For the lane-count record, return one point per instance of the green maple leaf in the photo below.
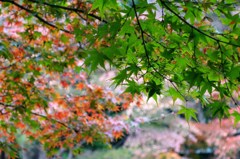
(102, 5)
(236, 116)
(189, 113)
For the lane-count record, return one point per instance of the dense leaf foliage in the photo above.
(173, 48)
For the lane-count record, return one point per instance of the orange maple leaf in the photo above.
(64, 84)
(138, 103)
(117, 134)
(100, 107)
(20, 125)
(125, 105)
(18, 23)
(115, 109)
(18, 53)
(61, 115)
(44, 37)
(89, 139)
(80, 86)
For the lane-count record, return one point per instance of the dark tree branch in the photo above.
(148, 58)
(193, 27)
(172, 83)
(15, 107)
(8, 105)
(204, 3)
(53, 120)
(154, 39)
(142, 32)
(225, 78)
(70, 9)
(7, 67)
(35, 14)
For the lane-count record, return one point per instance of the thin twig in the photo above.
(204, 3)
(6, 105)
(224, 76)
(146, 52)
(141, 30)
(193, 27)
(154, 39)
(71, 9)
(59, 122)
(35, 14)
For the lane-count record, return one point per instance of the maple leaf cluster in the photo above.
(68, 111)
(44, 92)
(45, 46)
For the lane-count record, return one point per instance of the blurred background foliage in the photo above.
(156, 131)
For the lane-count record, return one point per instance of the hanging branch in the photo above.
(141, 30)
(71, 9)
(53, 120)
(193, 27)
(224, 76)
(35, 14)
(147, 55)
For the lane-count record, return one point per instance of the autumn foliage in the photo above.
(48, 49)
(67, 111)
(44, 92)
(70, 112)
